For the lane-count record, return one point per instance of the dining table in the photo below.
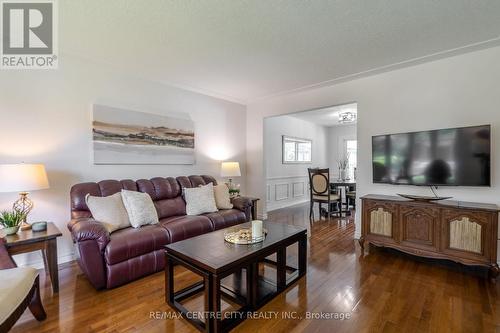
(343, 186)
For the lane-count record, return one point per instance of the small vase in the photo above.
(343, 174)
(11, 231)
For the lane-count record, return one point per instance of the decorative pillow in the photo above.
(109, 210)
(222, 199)
(200, 200)
(140, 208)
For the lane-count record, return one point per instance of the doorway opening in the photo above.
(321, 138)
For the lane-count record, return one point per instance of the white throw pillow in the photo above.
(140, 207)
(109, 210)
(222, 199)
(200, 200)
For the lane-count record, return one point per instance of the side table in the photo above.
(254, 206)
(46, 241)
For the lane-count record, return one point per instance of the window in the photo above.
(351, 149)
(296, 150)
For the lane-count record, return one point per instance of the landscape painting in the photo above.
(129, 137)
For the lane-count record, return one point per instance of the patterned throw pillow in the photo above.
(109, 211)
(222, 198)
(140, 208)
(200, 200)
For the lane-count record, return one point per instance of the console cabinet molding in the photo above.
(462, 232)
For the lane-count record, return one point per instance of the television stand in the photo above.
(464, 232)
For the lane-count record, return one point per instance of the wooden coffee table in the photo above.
(217, 261)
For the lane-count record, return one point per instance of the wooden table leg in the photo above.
(169, 281)
(281, 268)
(209, 320)
(213, 323)
(303, 255)
(252, 285)
(45, 261)
(51, 263)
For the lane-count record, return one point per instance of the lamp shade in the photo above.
(22, 177)
(230, 169)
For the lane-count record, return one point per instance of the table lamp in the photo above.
(230, 170)
(23, 178)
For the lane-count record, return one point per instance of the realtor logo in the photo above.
(29, 34)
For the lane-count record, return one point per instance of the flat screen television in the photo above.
(445, 157)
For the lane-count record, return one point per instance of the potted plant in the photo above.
(11, 221)
(234, 190)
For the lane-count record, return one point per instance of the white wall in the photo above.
(457, 91)
(287, 184)
(336, 150)
(45, 117)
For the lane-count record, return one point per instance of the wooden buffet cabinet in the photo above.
(463, 232)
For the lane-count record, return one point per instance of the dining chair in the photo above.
(336, 201)
(351, 196)
(319, 190)
(19, 289)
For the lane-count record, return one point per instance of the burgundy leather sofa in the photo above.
(110, 260)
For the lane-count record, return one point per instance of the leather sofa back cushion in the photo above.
(165, 192)
(170, 207)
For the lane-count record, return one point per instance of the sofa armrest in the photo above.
(244, 204)
(90, 238)
(84, 229)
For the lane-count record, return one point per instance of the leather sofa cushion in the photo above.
(182, 227)
(170, 207)
(165, 192)
(129, 243)
(102, 189)
(195, 181)
(135, 268)
(226, 218)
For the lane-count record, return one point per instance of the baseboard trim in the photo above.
(286, 205)
(38, 264)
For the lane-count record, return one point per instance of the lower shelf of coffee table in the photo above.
(234, 287)
(234, 290)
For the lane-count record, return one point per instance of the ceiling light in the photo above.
(347, 117)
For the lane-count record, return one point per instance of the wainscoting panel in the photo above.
(281, 191)
(298, 189)
(286, 191)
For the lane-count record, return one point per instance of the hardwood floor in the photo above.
(382, 291)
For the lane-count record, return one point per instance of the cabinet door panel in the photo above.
(465, 233)
(420, 227)
(380, 221)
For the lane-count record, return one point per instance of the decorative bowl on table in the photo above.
(240, 235)
(39, 226)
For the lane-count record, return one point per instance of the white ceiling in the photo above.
(244, 50)
(326, 116)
